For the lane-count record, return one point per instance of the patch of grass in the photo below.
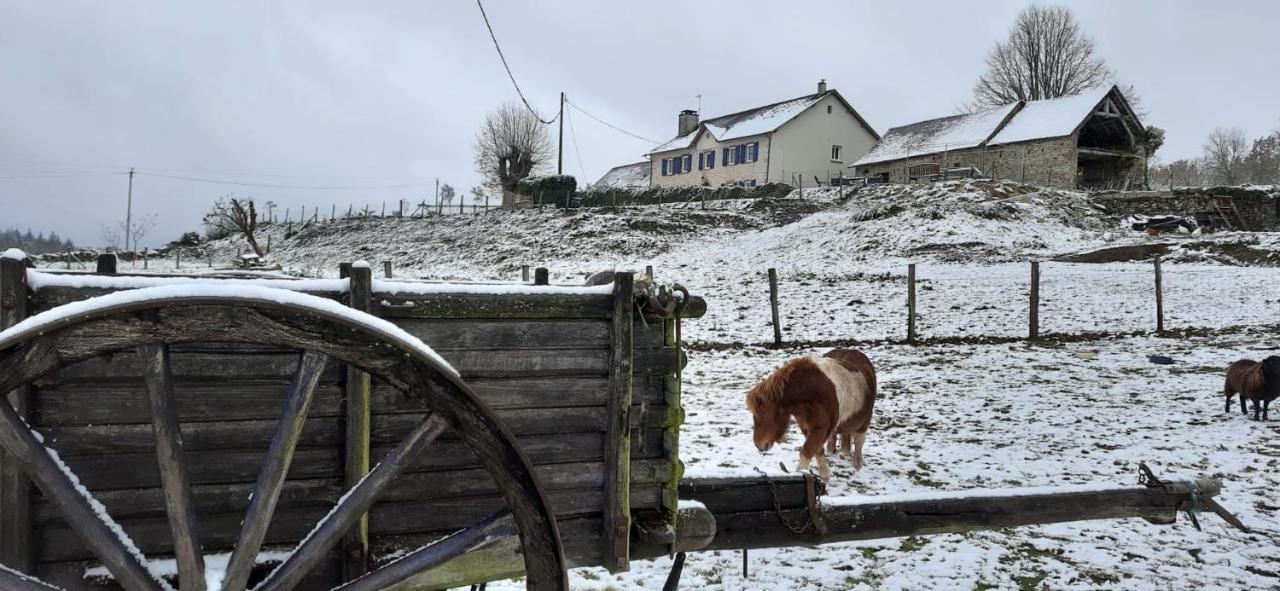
(984, 586)
(1030, 582)
(1099, 578)
(912, 543)
(868, 552)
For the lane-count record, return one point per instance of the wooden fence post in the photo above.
(1033, 331)
(617, 440)
(1159, 297)
(648, 272)
(911, 303)
(177, 258)
(541, 276)
(386, 269)
(16, 534)
(107, 262)
(773, 307)
(524, 272)
(146, 256)
(355, 545)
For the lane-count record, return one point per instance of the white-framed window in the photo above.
(677, 165)
(837, 153)
(706, 160)
(741, 154)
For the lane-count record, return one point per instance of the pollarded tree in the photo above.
(510, 145)
(1046, 56)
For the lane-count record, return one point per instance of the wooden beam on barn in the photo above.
(617, 441)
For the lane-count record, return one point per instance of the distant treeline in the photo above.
(33, 243)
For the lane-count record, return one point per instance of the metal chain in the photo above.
(777, 507)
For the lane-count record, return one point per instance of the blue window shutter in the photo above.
(688, 162)
(701, 161)
(755, 151)
(665, 163)
(675, 166)
(725, 157)
(711, 159)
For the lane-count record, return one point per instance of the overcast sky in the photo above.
(338, 95)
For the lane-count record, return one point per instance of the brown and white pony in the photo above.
(828, 396)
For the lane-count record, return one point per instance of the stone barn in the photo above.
(1086, 141)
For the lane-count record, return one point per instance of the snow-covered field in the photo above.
(951, 416)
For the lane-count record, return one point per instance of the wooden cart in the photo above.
(278, 434)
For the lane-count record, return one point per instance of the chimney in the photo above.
(687, 122)
(822, 86)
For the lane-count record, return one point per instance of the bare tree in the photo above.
(1046, 56)
(510, 145)
(112, 236)
(233, 215)
(478, 195)
(1224, 156)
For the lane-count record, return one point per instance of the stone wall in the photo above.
(1258, 210)
(1047, 163)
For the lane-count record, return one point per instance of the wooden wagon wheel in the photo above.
(149, 320)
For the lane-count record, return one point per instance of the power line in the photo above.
(508, 68)
(61, 175)
(610, 125)
(281, 186)
(574, 134)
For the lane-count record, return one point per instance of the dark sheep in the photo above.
(1259, 382)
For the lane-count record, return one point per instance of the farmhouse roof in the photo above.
(756, 121)
(627, 175)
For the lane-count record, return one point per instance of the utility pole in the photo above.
(560, 155)
(128, 213)
(438, 209)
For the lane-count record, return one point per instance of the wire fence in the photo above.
(970, 302)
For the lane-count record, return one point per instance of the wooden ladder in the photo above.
(1227, 209)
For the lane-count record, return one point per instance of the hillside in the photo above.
(955, 221)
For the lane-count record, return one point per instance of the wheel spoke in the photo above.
(83, 513)
(12, 580)
(355, 503)
(492, 529)
(173, 468)
(274, 468)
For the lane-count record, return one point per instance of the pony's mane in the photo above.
(769, 391)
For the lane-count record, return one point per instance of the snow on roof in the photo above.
(229, 290)
(746, 123)
(760, 119)
(626, 176)
(14, 253)
(679, 142)
(957, 132)
(1050, 118)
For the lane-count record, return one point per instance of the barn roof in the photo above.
(957, 132)
(1050, 118)
(627, 175)
(1016, 122)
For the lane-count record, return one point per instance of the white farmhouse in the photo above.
(801, 140)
